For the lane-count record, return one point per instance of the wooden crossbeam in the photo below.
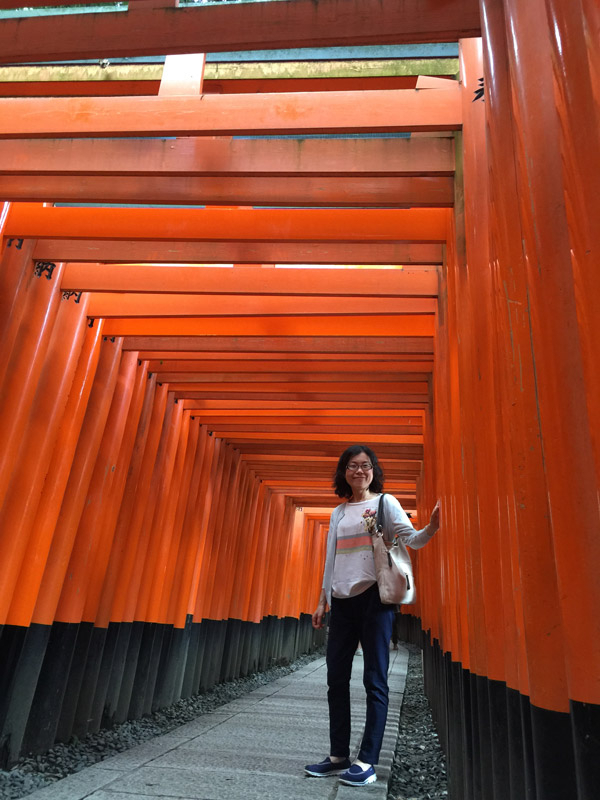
(200, 365)
(146, 250)
(144, 30)
(109, 305)
(242, 281)
(380, 192)
(405, 361)
(426, 225)
(421, 345)
(232, 115)
(371, 326)
(200, 157)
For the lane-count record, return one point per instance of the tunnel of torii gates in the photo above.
(209, 289)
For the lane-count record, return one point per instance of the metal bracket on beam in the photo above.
(71, 293)
(44, 266)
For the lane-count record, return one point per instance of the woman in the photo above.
(357, 613)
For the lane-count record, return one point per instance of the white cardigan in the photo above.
(397, 523)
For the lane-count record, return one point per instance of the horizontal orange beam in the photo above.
(108, 305)
(390, 408)
(229, 224)
(317, 415)
(284, 344)
(377, 111)
(226, 85)
(200, 157)
(351, 429)
(400, 369)
(324, 437)
(314, 448)
(239, 252)
(325, 460)
(248, 281)
(403, 362)
(339, 383)
(318, 484)
(225, 392)
(244, 26)
(379, 383)
(380, 192)
(370, 326)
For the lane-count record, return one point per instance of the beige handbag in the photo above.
(392, 566)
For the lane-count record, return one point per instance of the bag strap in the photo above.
(380, 524)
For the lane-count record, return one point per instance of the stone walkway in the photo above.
(254, 747)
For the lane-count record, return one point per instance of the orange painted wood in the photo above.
(288, 325)
(420, 346)
(18, 539)
(519, 468)
(111, 304)
(186, 559)
(226, 27)
(211, 523)
(25, 366)
(16, 279)
(229, 224)
(484, 534)
(201, 157)
(71, 503)
(179, 550)
(240, 281)
(570, 464)
(143, 86)
(32, 570)
(226, 533)
(124, 540)
(256, 548)
(377, 253)
(201, 365)
(407, 382)
(168, 535)
(162, 483)
(405, 361)
(85, 559)
(580, 145)
(105, 569)
(374, 111)
(127, 587)
(343, 192)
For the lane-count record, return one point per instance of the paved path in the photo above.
(254, 747)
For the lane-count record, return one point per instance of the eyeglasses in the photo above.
(365, 467)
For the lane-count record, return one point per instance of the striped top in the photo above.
(354, 568)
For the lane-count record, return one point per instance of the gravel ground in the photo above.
(418, 772)
(419, 768)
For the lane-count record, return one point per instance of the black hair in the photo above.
(341, 485)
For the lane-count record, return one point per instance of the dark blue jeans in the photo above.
(366, 619)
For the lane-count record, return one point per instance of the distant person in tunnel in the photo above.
(357, 613)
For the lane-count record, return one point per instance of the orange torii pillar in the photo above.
(121, 519)
(511, 608)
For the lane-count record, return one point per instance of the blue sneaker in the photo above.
(355, 776)
(327, 767)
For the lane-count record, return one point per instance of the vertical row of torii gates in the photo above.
(217, 272)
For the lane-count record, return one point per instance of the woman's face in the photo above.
(359, 472)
